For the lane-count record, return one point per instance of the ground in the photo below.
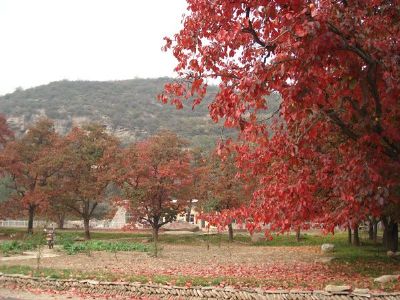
(198, 260)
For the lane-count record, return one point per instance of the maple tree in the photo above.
(224, 191)
(28, 163)
(87, 155)
(334, 158)
(152, 174)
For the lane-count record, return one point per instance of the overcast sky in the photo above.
(49, 40)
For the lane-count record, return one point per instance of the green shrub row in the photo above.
(76, 247)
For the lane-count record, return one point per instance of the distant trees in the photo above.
(5, 132)
(156, 178)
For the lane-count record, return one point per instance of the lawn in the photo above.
(200, 259)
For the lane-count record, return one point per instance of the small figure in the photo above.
(50, 234)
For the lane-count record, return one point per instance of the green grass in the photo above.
(133, 241)
(19, 246)
(109, 246)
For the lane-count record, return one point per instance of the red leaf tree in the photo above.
(224, 191)
(87, 155)
(153, 174)
(28, 162)
(334, 158)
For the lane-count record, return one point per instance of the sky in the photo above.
(50, 40)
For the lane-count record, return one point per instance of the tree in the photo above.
(225, 191)
(151, 174)
(6, 133)
(87, 156)
(336, 66)
(29, 164)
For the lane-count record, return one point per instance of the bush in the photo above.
(15, 247)
(73, 247)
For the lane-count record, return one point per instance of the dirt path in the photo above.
(45, 253)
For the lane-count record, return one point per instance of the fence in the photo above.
(67, 224)
(23, 223)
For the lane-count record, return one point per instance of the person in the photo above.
(50, 234)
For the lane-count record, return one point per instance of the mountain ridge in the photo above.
(128, 108)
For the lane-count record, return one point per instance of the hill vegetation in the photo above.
(128, 108)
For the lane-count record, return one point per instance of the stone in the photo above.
(256, 238)
(390, 253)
(387, 278)
(181, 226)
(327, 248)
(337, 288)
(325, 260)
(361, 292)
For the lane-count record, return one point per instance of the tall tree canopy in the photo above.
(335, 157)
(87, 155)
(153, 174)
(29, 163)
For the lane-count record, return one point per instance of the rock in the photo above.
(387, 278)
(392, 254)
(337, 288)
(361, 292)
(256, 238)
(181, 226)
(326, 248)
(325, 260)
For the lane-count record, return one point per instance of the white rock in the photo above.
(390, 254)
(325, 260)
(387, 278)
(393, 254)
(337, 288)
(326, 248)
(358, 291)
(256, 238)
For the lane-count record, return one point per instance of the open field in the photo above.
(198, 259)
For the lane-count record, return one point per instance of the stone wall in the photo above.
(127, 289)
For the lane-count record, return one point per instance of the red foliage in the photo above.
(5, 132)
(28, 162)
(334, 157)
(153, 174)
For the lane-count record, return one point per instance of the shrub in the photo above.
(73, 247)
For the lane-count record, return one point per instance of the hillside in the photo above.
(129, 109)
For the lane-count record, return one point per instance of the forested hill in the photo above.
(129, 109)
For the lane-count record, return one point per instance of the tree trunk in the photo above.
(189, 210)
(375, 232)
(155, 234)
(30, 220)
(155, 240)
(371, 230)
(391, 236)
(298, 234)
(61, 220)
(230, 232)
(87, 228)
(356, 238)
(349, 239)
